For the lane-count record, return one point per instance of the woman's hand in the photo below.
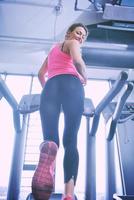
(42, 72)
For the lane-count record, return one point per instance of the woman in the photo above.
(64, 88)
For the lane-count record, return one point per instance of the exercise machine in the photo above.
(30, 103)
(117, 114)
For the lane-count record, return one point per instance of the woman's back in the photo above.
(60, 62)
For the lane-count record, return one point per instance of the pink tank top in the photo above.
(61, 63)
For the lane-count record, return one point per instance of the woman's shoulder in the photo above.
(72, 44)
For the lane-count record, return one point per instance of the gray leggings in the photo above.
(66, 92)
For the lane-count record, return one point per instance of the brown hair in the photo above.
(75, 25)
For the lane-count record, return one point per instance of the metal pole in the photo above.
(90, 190)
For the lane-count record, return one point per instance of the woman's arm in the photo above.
(42, 72)
(74, 49)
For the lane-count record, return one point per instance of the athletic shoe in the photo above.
(67, 198)
(43, 179)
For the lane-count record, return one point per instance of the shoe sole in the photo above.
(43, 179)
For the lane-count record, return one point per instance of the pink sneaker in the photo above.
(67, 198)
(43, 179)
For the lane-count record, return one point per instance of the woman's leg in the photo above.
(50, 107)
(43, 179)
(73, 104)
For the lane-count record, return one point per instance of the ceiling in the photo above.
(28, 28)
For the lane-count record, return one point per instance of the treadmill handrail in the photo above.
(117, 113)
(13, 103)
(118, 85)
(122, 100)
(7, 94)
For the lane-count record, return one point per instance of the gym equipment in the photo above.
(20, 137)
(117, 113)
(29, 103)
(90, 192)
(118, 85)
(120, 112)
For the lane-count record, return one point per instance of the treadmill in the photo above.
(119, 117)
(30, 103)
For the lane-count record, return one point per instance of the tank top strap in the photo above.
(62, 46)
